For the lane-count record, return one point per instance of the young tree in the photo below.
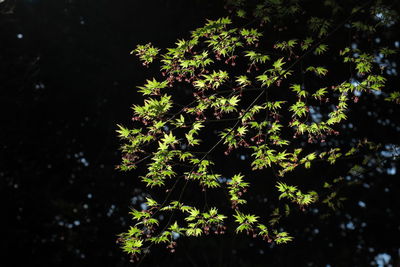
(251, 106)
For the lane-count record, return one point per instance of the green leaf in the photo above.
(322, 48)
(278, 64)
(123, 132)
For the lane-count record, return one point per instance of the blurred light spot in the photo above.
(223, 180)
(144, 206)
(84, 162)
(175, 235)
(315, 114)
(361, 204)
(392, 170)
(350, 226)
(111, 210)
(382, 259)
(386, 190)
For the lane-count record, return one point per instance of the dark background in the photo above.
(66, 80)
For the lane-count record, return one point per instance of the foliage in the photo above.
(281, 105)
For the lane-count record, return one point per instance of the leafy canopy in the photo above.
(276, 93)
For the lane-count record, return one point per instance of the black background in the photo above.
(64, 86)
